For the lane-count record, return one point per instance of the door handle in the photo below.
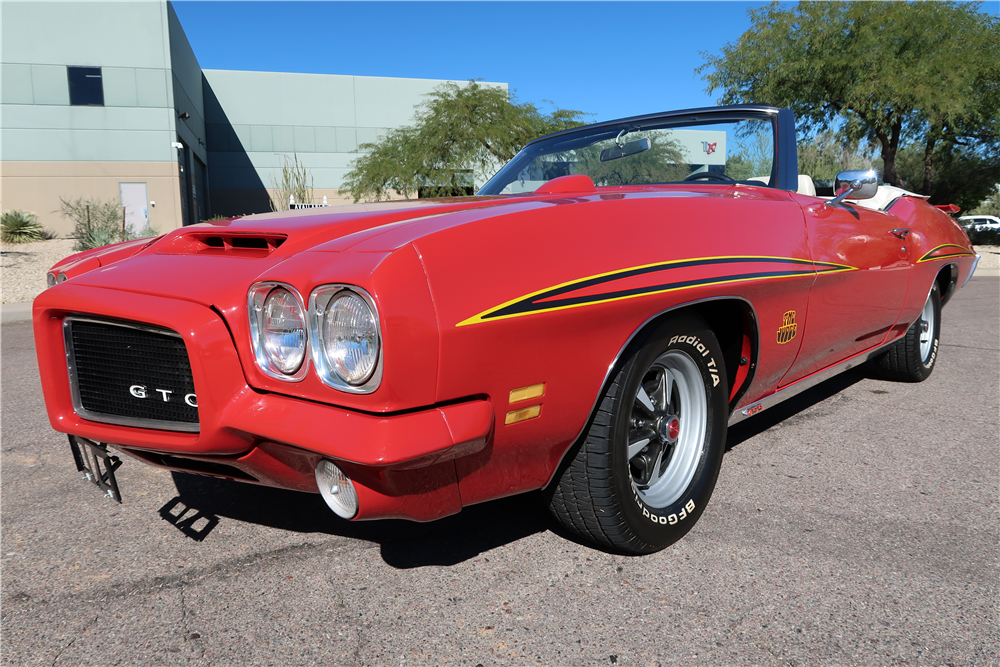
(900, 233)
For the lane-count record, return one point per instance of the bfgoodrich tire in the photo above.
(912, 358)
(648, 462)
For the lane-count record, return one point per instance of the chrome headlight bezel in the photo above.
(256, 298)
(319, 299)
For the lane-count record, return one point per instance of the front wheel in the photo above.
(650, 457)
(912, 358)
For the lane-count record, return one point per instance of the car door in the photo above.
(853, 309)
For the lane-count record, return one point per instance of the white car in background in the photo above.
(980, 223)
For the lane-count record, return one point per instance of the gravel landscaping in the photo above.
(23, 266)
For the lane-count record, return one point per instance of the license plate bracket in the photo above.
(96, 464)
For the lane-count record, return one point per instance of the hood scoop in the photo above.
(215, 244)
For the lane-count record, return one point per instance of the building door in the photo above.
(194, 186)
(136, 205)
(199, 190)
(185, 178)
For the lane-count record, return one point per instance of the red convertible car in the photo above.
(588, 324)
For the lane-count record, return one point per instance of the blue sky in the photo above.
(611, 59)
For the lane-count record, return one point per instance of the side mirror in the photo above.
(855, 184)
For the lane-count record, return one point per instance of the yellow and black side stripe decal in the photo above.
(732, 270)
(946, 250)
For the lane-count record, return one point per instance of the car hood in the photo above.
(208, 262)
(214, 262)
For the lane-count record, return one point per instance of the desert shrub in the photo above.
(98, 223)
(21, 227)
(296, 183)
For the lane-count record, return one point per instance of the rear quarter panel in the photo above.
(936, 241)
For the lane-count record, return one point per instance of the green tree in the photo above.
(893, 73)
(989, 206)
(662, 163)
(457, 129)
(827, 153)
(966, 175)
(752, 153)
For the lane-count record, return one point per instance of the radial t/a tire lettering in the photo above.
(912, 358)
(647, 464)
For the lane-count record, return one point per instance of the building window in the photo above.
(85, 86)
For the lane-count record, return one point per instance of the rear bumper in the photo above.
(972, 270)
(402, 464)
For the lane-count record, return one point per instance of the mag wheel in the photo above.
(927, 332)
(647, 465)
(666, 433)
(912, 358)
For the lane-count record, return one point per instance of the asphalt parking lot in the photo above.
(855, 525)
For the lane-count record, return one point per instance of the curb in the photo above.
(15, 312)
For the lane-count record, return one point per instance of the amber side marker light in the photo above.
(524, 393)
(523, 414)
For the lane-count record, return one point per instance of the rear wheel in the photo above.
(648, 462)
(912, 358)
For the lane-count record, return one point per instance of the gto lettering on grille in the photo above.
(140, 391)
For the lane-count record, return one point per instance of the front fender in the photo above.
(396, 282)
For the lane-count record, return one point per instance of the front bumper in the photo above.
(402, 463)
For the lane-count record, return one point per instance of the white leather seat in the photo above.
(886, 195)
(806, 186)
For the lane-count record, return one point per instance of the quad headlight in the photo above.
(278, 330)
(339, 332)
(347, 345)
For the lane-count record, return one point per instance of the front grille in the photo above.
(129, 374)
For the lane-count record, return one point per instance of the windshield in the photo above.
(648, 151)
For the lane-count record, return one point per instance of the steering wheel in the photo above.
(711, 175)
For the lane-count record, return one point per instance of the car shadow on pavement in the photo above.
(202, 501)
(743, 431)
